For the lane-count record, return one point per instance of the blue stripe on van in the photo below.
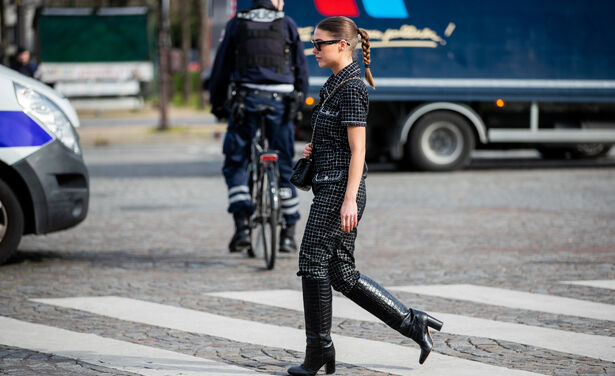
(18, 129)
(386, 8)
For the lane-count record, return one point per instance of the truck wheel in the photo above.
(11, 222)
(580, 151)
(440, 141)
(590, 151)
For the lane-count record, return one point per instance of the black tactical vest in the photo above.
(261, 41)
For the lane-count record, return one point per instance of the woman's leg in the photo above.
(374, 298)
(314, 258)
(317, 308)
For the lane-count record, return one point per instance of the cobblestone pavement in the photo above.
(157, 231)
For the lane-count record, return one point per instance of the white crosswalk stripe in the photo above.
(516, 299)
(110, 353)
(593, 346)
(602, 284)
(379, 356)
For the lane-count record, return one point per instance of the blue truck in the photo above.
(453, 76)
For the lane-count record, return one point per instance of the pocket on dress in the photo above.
(333, 176)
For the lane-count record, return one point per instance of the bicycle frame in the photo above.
(260, 158)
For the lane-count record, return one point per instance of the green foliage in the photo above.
(178, 100)
(178, 82)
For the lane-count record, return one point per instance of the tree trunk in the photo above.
(21, 24)
(163, 60)
(4, 40)
(185, 21)
(204, 46)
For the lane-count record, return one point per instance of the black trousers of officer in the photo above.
(326, 250)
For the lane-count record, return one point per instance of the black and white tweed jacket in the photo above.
(347, 107)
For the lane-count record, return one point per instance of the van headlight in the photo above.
(49, 115)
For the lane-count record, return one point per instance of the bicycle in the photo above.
(263, 181)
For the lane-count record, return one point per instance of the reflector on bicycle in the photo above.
(269, 157)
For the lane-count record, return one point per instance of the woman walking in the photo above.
(338, 151)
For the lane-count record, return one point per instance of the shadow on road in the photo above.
(537, 163)
(155, 170)
(185, 169)
(478, 164)
(125, 259)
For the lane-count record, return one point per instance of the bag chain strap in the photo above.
(325, 101)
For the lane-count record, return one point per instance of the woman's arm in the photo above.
(307, 150)
(349, 212)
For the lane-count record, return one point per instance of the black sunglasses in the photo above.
(318, 43)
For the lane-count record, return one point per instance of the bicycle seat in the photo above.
(264, 110)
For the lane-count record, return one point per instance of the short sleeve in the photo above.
(353, 106)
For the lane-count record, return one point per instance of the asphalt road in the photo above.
(494, 249)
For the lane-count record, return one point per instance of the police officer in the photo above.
(22, 64)
(262, 55)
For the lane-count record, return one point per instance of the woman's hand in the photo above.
(349, 214)
(307, 151)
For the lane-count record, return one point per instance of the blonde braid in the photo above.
(366, 57)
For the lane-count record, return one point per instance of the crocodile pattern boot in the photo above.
(411, 323)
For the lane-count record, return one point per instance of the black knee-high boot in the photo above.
(317, 307)
(411, 323)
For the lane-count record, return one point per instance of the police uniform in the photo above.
(326, 250)
(262, 54)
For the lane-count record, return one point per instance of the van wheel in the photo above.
(11, 222)
(440, 141)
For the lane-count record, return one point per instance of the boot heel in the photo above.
(432, 322)
(330, 367)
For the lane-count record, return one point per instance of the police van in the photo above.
(43, 179)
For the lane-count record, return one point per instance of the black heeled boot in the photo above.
(317, 307)
(411, 323)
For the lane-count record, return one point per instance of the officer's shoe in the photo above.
(287, 239)
(241, 238)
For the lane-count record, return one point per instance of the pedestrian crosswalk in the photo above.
(517, 300)
(365, 353)
(379, 356)
(603, 284)
(600, 347)
(110, 353)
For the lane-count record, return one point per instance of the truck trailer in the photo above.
(454, 76)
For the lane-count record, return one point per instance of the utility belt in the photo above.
(265, 94)
(292, 101)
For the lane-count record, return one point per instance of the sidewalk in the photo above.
(130, 127)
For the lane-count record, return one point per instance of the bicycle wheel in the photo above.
(253, 186)
(267, 236)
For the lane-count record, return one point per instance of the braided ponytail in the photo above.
(366, 57)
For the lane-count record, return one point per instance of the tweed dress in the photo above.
(325, 249)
